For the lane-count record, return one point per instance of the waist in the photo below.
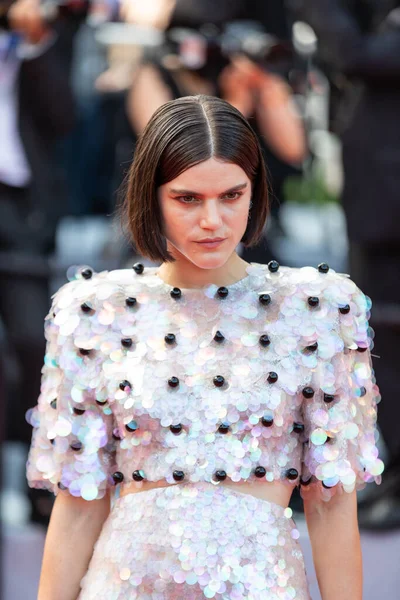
(277, 492)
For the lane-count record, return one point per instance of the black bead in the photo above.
(124, 384)
(272, 377)
(273, 266)
(312, 347)
(53, 403)
(220, 475)
(116, 434)
(138, 268)
(219, 380)
(305, 482)
(363, 391)
(178, 475)
(344, 309)
(223, 428)
(137, 475)
(323, 267)
(102, 402)
(298, 427)
(130, 301)
(292, 473)
(264, 340)
(260, 471)
(175, 293)
(267, 421)
(118, 477)
(78, 411)
(361, 349)
(329, 398)
(86, 308)
(61, 486)
(76, 446)
(84, 351)
(222, 292)
(308, 392)
(176, 429)
(127, 342)
(264, 299)
(53, 441)
(313, 301)
(327, 487)
(173, 382)
(132, 426)
(218, 337)
(170, 339)
(87, 273)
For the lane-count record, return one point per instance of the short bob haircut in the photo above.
(179, 135)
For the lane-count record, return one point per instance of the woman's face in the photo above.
(209, 200)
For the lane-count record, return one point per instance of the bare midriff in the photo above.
(276, 491)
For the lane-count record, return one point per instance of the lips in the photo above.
(211, 241)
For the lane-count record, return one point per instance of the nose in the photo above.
(211, 216)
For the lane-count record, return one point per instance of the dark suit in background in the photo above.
(28, 219)
(361, 46)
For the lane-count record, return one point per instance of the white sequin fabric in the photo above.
(269, 378)
(192, 541)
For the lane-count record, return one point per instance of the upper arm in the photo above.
(342, 503)
(79, 508)
(72, 448)
(340, 453)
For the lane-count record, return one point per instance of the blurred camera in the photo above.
(197, 48)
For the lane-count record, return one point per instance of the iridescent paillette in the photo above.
(266, 379)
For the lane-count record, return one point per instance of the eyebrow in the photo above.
(235, 188)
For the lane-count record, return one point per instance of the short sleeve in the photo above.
(340, 410)
(72, 447)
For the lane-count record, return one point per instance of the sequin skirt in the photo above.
(193, 541)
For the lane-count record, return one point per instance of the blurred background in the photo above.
(319, 80)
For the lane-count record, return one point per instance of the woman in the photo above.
(203, 391)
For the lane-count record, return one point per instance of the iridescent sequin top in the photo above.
(266, 379)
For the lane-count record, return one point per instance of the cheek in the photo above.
(169, 217)
(239, 214)
(176, 224)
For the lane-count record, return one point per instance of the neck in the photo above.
(184, 274)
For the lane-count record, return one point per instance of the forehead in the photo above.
(209, 176)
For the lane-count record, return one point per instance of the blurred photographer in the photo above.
(36, 109)
(249, 85)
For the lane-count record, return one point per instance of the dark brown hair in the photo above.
(179, 135)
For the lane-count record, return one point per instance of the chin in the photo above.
(214, 260)
(209, 265)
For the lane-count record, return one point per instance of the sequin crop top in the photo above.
(268, 378)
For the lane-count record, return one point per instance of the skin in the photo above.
(25, 17)
(208, 200)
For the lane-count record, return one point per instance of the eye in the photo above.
(191, 199)
(233, 195)
(184, 199)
